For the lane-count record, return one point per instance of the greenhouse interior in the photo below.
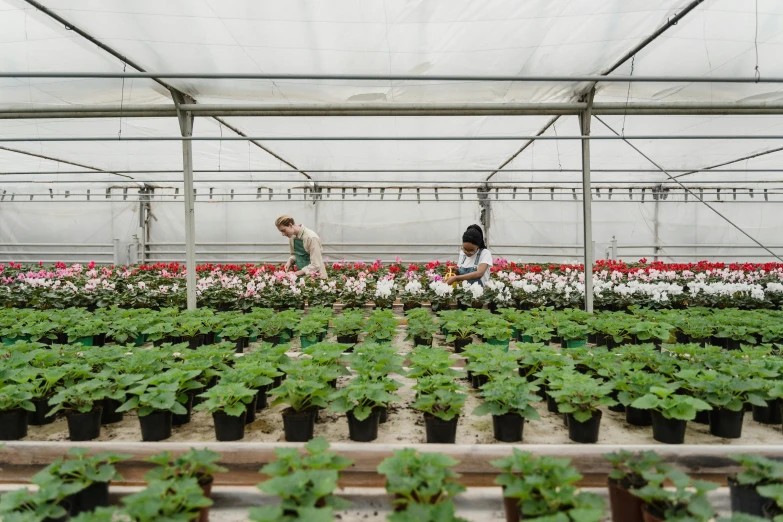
(326, 260)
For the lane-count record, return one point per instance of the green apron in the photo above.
(302, 257)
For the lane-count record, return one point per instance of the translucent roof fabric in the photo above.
(382, 37)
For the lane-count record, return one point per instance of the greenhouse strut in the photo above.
(393, 138)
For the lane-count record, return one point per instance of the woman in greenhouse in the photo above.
(305, 247)
(474, 260)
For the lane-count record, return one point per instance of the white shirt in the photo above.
(469, 262)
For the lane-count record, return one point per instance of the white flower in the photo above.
(441, 289)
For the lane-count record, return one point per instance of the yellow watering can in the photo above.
(450, 273)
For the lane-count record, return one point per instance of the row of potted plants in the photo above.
(642, 488)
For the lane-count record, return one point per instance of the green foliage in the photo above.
(440, 396)
(79, 471)
(545, 486)
(581, 395)
(80, 397)
(634, 470)
(670, 404)
(230, 399)
(510, 395)
(360, 396)
(300, 393)
(686, 500)
(420, 478)
(758, 470)
(173, 500)
(16, 396)
(350, 322)
(426, 361)
(166, 391)
(200, 464)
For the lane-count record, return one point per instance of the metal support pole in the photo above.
(587, 211)
(117, 252)
(614, 248)
(186, 127)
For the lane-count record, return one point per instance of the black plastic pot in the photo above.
(239, 345)
(479, 380)
(383, 414)
(668, 431)
(182, 419)
(422, 341)
(38, 417)
(508, 427)
(348, 339)
(551, 404)
(440, 431)
(274, 340)
(228, 427)
(584, 432)
(99, 340)
(261, 401)
(13, 424)
(298, 426)
(745, 499)
(460, 344)
(194, 341)
(84, 426)
(768, 415)
(702, 417)
(250, 415)
(637, 417)
(726, 423)
(93, 496)
(156, 426)
(110, 415)
(363, 430)
(771, 510)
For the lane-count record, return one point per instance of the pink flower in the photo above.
(91, 265)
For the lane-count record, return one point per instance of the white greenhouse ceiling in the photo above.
(726, 38)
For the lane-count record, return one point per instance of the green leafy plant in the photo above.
(230, 398)
(671, 404)
(495, 328)
(79, 470)
(200, 464)
(414, 477)
(381, 325)
(511, 395)
(80, 397)
(635, 384)
(23, 505)
(581, 396)
(301, 393)
(350, 322)
(685, 501)
(426, 361)
(16, 396)
(360, 396)
(757, 470)
(163, 392)
(413, 512)
(729, 392)
(440, 396)
(544, 486)
(635, 470)
(176, 499)
(310, 328)
(304, 483)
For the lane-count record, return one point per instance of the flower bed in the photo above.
(241, 287)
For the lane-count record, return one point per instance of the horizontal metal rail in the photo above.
(395, 77)
(411, 245)
(386, 109)
(282, 199)
(77, 245)
(48, 139)
(377, 171)
(338, 184)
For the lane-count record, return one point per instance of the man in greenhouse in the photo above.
(305, 246)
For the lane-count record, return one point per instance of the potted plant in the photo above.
(727, 395)
(574, 334)
(304, 483)
(773, 510)
(441, 400)
(496, 330)
(310, 330)
(82, 403)
(200, 464)
(15, 402)
(158, 398)
(544, 487)
(757, 471)
(172, 499)
(580, 397)
(228, 405)
(117, 386)
(421, 330)
(630, 471)
(486, 361)
(460, 327)
(303, 396)
(380, 327)
(43, 382)
(256, 378)
(237, 331)
(258, 370)
(272, 328)
(328, 355)
(414, 477)
(361, 400)
(509, 402)
(426, 361)
(670, 412)
(347, 326)
(631, 386)
(46, 504)
(440, 512)
(686, 500)
(83, 479)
